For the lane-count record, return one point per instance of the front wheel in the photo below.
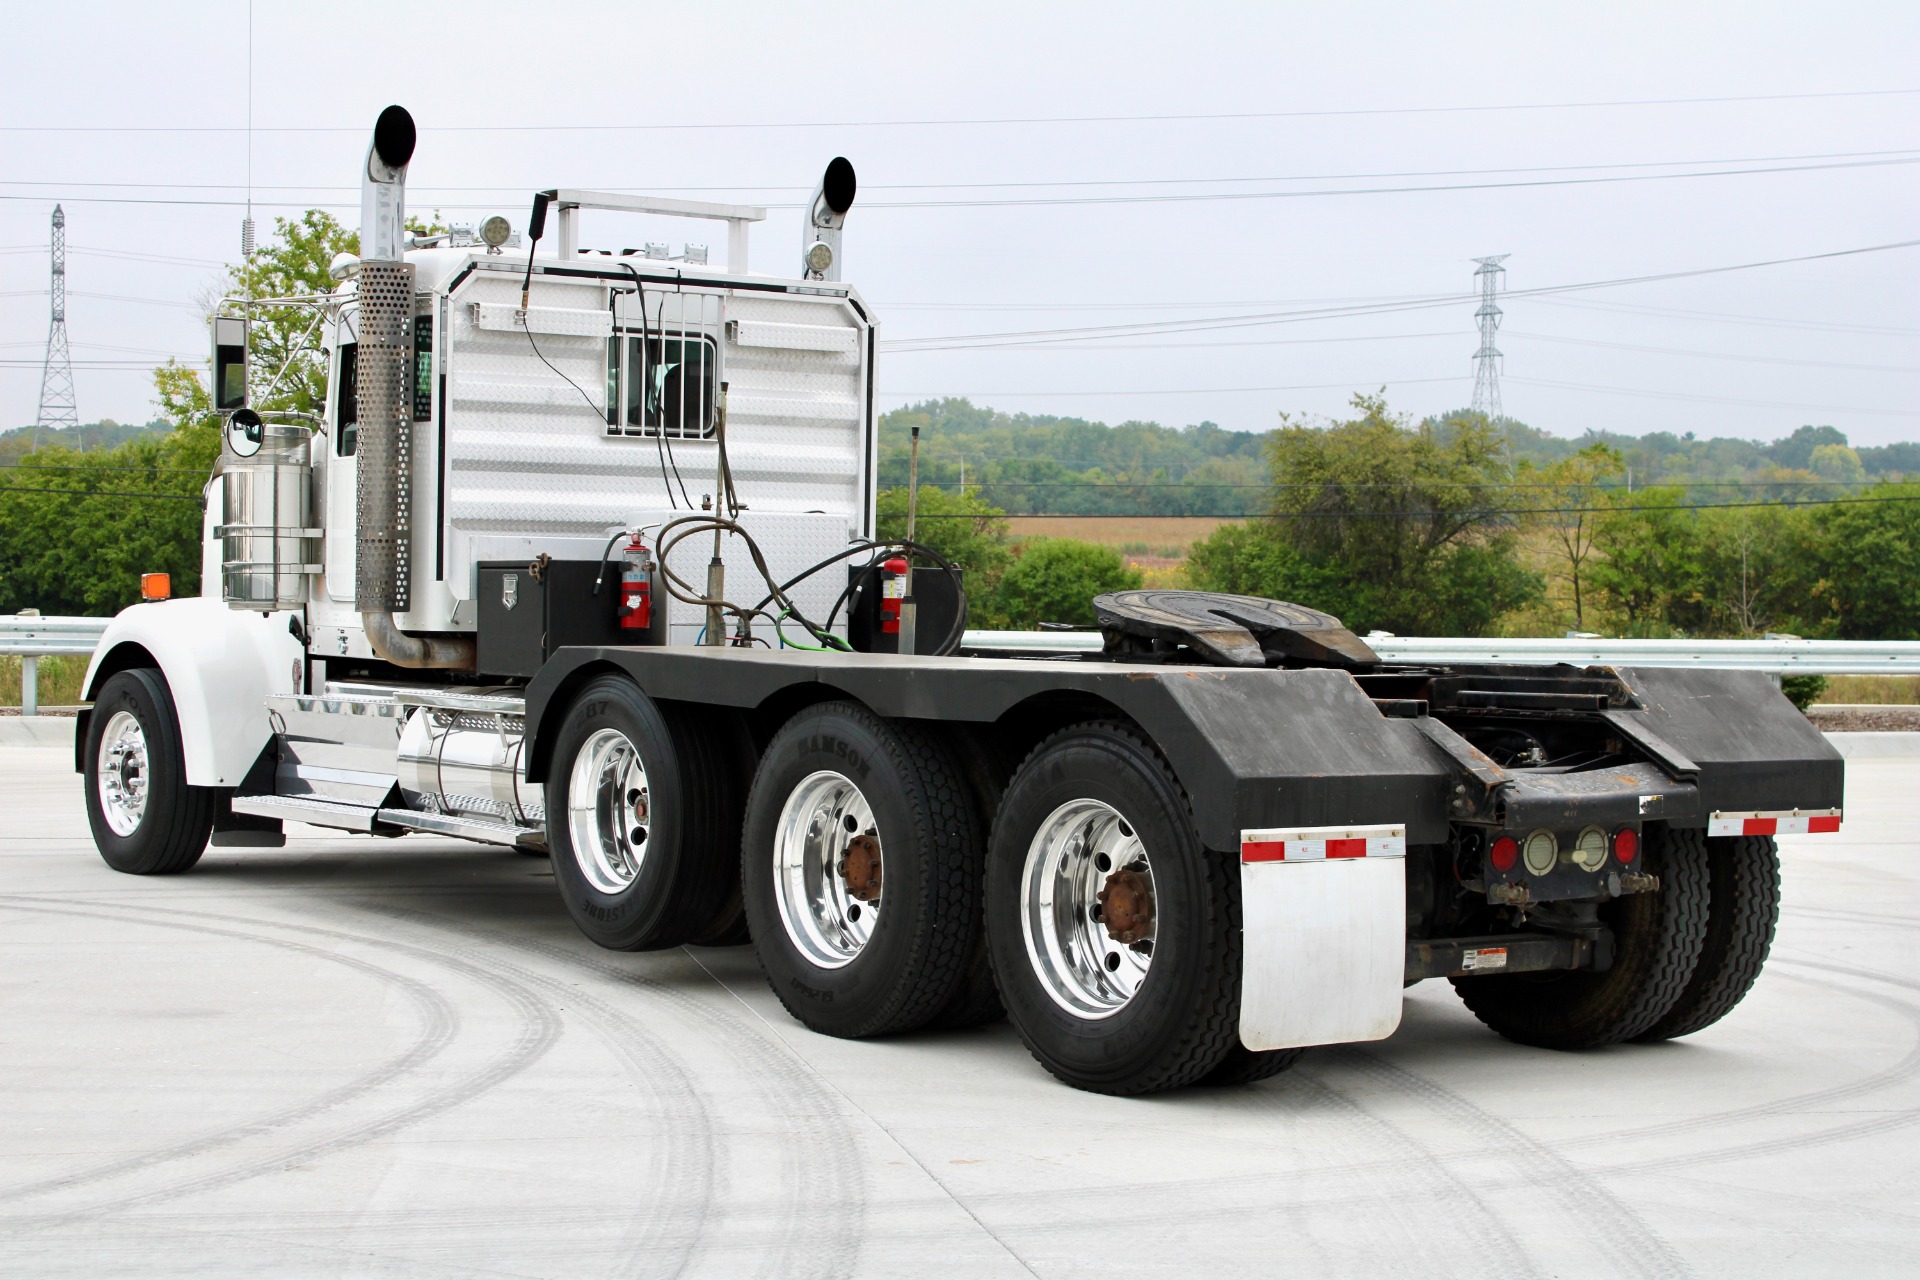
(1112, 928)
(146, 820)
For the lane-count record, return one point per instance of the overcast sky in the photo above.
(1032, 168)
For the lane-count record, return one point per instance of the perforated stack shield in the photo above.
(383, 572)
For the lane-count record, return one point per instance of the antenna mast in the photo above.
(246, 223)
(57, 407)
(1486, 361)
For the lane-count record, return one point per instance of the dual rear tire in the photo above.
(1684, 955)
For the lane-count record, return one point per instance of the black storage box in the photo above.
(936, 592)
(527, 611)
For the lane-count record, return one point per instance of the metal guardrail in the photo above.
(31, 638)
(1775, 657)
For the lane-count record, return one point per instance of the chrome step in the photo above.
(318, 813)
(466, 828)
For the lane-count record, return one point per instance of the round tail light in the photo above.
(1626, 844)
(1503, 854)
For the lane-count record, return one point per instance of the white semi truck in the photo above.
(581, 559)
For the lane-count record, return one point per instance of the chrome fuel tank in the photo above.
(463, 756)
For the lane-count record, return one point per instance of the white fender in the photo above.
(221, 664)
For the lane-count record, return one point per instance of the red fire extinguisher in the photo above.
(893, 589)
(635, 603)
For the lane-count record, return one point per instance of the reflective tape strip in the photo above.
(1321, 844)
(1779, 823)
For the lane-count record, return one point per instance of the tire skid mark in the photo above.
(538, 1028)
(1868, 1126)
(823, 1179)
(1859, 917)
(1615, 1229)
(1886, 1078)
(1492, 1241)
(670, 1214)
(439, 1024)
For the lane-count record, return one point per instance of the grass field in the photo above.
(1879, 691)
(59, 680)
(1166, 539)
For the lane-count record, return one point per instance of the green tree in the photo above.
(1837, 462)
(1383, 524)
(78, 529)
(1570, 498)
(1056, 579)
(1650, 559)
(1751, 578)
(1866, 564)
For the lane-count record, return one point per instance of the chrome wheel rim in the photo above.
(123, 771)
(608, 811)
(820, 823)
(1083, 851)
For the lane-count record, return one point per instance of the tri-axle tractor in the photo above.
(580, 559)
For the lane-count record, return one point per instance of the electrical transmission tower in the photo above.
(1486, 361)
(57, 408)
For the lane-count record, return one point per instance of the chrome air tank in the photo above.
(268, 545)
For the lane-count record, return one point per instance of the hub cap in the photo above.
(608, 811)
(1087, 909)
(827, 869)
(123, 773)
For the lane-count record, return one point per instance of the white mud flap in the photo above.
(1324, 911)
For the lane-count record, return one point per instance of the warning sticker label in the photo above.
(1474, 958)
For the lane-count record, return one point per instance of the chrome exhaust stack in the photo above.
(383, 568)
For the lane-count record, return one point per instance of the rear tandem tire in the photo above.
(1179, 1020)
(1657, 942)
(835, 780)
(146, 819)
(1743, 874)
(676, 802)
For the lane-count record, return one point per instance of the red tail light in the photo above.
(1503, 854)
(1626, 844)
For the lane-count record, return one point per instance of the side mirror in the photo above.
(245, 432)
(229, 362)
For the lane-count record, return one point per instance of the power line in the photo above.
(1700, 399)
(1714, 355)
(1491, 512)
(1594, 304)
(1052, 184)
(1036, 201)
(1203, 324)
(1324, 113)
(1189, 391)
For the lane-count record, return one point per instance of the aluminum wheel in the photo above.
(827, 867)
(123, 773)
(608, 811)
(1087, 909)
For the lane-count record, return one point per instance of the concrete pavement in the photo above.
(397, 1058)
